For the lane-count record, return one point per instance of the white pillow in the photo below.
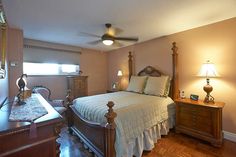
(137, 84)
(157, 86)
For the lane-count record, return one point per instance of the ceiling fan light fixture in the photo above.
(108, 42)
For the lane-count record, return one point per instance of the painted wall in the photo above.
(215, 42)
(15, 54)
(94, 65)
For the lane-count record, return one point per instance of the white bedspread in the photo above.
(135, 112)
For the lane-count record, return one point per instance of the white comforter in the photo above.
(135, 112)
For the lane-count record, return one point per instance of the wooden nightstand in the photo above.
(201, 120)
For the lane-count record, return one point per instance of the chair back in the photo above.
(44, 91)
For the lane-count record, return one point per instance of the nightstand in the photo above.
(200, 120)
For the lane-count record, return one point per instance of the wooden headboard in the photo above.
(151, 71)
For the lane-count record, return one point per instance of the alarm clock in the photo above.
(194, 97)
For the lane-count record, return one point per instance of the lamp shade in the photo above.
(107, 42)
(208, 70)
(119, 73)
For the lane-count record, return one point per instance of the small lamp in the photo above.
(21, 83)
(119, 74)
(208, 70)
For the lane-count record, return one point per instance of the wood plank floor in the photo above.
(173, 145)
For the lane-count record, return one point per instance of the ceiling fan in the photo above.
(109, 38)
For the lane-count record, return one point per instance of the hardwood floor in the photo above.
(173, 145)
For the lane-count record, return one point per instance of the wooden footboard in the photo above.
(100, 138)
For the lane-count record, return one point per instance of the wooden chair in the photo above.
(58, 105)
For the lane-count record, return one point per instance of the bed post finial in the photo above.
(110, 131)
(130, 61)
(68, 98)
(175, 80)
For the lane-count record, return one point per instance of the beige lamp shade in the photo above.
(119, 73)
(208, 70)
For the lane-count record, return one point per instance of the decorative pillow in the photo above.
(157, 86)
(168, 84)
(137, 84)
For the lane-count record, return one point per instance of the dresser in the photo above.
(199, 119)
(15, 140)
(78, 85)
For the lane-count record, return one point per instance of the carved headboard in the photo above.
(150, 71)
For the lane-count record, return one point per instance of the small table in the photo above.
(199, 119)
(14, 136)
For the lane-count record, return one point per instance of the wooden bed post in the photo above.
(130, 62)
(110, 131)
(175, 80)
(69, 113)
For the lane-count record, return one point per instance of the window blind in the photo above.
(50, 54)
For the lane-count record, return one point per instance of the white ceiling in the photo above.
(64, 21)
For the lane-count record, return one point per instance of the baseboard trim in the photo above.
(229, 136)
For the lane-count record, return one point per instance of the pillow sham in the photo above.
(137, 84)
(158, 86)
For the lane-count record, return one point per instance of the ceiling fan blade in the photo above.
(95, 42)
(89, 35)
(126, 38)
(117, 44)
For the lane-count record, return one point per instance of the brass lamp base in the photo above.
(208, 89)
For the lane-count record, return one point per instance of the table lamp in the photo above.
(208, 70)
(119, 74)
(21, 83)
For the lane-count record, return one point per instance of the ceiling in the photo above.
(66, 21)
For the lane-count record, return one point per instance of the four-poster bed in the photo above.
(100, 137)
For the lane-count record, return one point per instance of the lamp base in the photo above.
(208, 89)
(20, 99)
(209, 99)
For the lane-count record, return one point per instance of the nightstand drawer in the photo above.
(195, 110)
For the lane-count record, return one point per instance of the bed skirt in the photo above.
(148, 138)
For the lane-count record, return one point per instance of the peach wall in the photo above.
(15, 54)
(94, 65)
(215, 42)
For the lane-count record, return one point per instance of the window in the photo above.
(50, 69)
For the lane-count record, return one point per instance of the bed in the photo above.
(131, 122)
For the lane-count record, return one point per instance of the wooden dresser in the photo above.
(201, 120)
(78, 86)
(16, 142)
